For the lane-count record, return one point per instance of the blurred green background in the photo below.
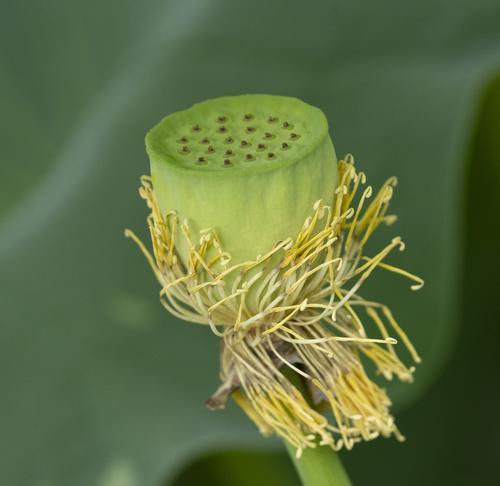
(99, 385)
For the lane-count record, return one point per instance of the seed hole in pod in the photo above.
(271, 156)
(227, 163)
(182, 140)
(294, 136)
(196, 128)
(201, 160)
(222, 129)
(244, 143)
(285, 146)
(261, 147)
(221, 119)
(250, 129)
(205, 140)
(248, 117)
(185, 150)
(268, 136)
(272, 119)
(286, 125)
(228, 153)
(249, 157)
(210, 149)
(229, 140)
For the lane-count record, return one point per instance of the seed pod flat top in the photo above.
(232, 135)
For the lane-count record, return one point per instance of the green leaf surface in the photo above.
(100, 386)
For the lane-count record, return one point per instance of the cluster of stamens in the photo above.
(304, 315)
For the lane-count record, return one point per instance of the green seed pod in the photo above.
(250, 167)
(243, 175)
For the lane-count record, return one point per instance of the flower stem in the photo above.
(320, 466)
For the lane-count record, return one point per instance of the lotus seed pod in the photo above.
(243, 176)
(250, 167)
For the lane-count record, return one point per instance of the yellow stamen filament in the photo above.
(294, 308)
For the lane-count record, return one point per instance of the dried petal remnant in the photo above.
(304, 313)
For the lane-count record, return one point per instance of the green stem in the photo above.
(320, 466)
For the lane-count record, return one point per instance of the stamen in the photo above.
(292, 306)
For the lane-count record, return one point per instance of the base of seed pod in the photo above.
(306, 314)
